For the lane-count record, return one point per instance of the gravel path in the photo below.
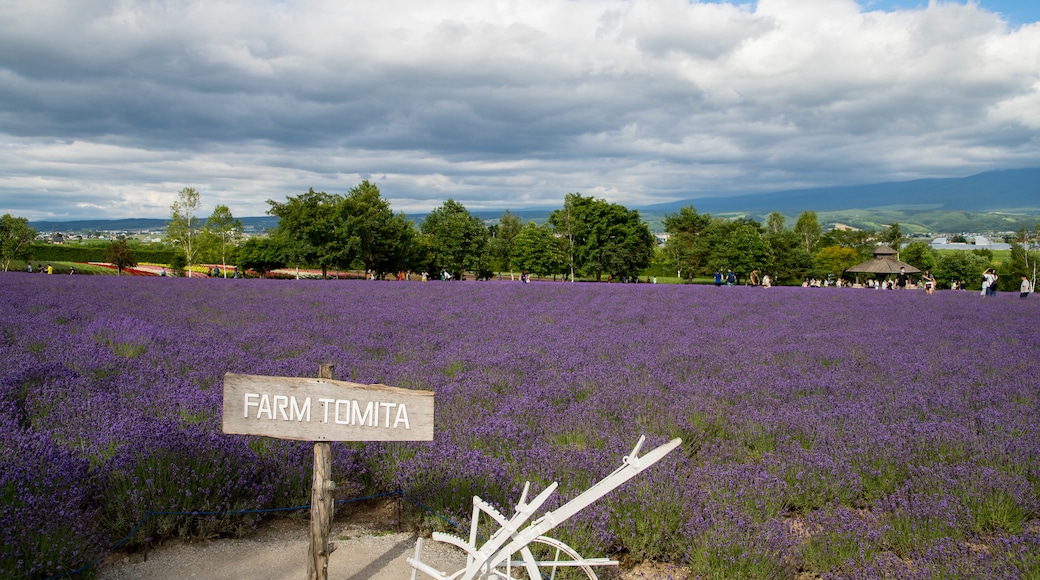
(280, 552)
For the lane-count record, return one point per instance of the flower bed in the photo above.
(839, 433)
(142, 271)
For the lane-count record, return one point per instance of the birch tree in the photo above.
(182, 229)
(224, 230)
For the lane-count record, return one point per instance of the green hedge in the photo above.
(96, 253)
(658, 269)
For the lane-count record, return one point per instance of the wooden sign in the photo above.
(307, 409)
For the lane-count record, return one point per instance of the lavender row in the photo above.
(842, 433)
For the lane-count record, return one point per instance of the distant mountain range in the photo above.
(251, 224)
(1011, 190)
(991, 201)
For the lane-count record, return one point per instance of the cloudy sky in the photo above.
(108, 108)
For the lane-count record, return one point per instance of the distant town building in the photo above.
(975, 243)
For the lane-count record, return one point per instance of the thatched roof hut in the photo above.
(884, 262)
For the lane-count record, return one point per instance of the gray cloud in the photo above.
(110, 108)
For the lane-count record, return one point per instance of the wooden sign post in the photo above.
(323, 504)
(324, 410)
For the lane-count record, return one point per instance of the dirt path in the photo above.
(279, 551)
(366, 547)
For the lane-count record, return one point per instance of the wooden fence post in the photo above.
(323, 504)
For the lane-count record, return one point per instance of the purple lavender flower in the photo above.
(799, 408)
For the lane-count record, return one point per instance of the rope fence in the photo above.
(149, 514)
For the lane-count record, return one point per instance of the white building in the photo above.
(977, 243)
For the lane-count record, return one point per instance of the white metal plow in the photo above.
(527, 552)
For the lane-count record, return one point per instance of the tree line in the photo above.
(586, 238)
(699, 245)
(358, 230)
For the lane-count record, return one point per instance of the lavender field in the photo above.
(835, 433)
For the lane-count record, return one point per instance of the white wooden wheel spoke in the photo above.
(515, 551)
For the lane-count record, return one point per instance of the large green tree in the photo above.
(791, 263)
(604, 237)
(775, 223)
(502, 239)
(120, 255)
(16, 235)
(457, 240)
(371, 233)
(261, 255)
(182, 229)
(963, 267)
(1011, 271)
(863, 241)
(919, 255)
(568, 223)
(745, 249)
(738, 245)
(809, 230)
(685, 247)
(892, 236)
(307, 228)
(538, 250)
(835, 260)
(223, 232)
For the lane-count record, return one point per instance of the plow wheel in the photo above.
(549, 559)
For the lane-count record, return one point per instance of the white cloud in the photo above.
(113, 107)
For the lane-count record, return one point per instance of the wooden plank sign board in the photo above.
(307, 409)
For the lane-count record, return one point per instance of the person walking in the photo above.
(902, 279)
(1024, 288)
(731, 278)
(929, 282)
(989, 283)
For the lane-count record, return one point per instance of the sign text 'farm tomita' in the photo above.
(307, 409)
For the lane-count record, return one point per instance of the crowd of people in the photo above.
(48, 270)
(902, 280)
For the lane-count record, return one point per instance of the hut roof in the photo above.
(884, 251)
(883, 264)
